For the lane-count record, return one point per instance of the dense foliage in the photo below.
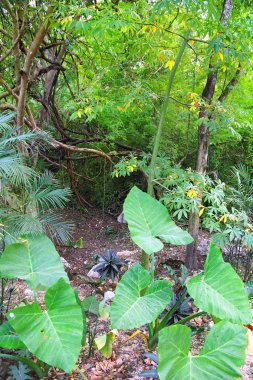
(141, 104)
(100, 76)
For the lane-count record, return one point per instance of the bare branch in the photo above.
(70, 148)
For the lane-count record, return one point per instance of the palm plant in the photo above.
(33, 209)
(241, 196)
(28, 200)
(12, 169)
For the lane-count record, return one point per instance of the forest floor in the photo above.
(101, 232)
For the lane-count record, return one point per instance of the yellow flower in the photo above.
(170, 64)
(191, 193)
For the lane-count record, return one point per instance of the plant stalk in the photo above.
(144, 255)
(189, 317)
(169, 314)
(153, 340)
(152, 268)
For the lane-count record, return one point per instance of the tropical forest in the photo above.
(126, 189)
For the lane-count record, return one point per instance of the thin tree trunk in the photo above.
(50, 81)
(203, 142)
(191, 261)
(27, 67)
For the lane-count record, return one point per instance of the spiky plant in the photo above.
(109, 265)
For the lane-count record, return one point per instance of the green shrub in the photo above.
(140, 300)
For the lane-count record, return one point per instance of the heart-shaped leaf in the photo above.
(221, 357)
(55, 335)
(220, 290)
(35, 260)
(8, 337)
(129, 309)
(149, 223)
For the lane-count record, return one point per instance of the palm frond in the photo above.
(53, 225)
(16, 225)
(34, 194)
(13, 140)
(4, 122)
(12, 169)
(56, 227)
(45, 193)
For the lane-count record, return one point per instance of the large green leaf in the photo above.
(8, 337)
(129, 309)
(35, 260)
(220, 291)
(222, 355)
(149, 223)
(54, 335)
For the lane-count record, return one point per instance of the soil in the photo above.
(101, 232)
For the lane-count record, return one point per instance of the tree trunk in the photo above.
(202, 162)
(203, 140)
(191, 261)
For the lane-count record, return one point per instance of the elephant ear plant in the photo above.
(140, 300)
(54, 334)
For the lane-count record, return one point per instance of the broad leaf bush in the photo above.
(218, 291)
(54, 335)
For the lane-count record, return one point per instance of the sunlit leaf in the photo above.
(54, 335)
(220, 358)
(220, 291)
